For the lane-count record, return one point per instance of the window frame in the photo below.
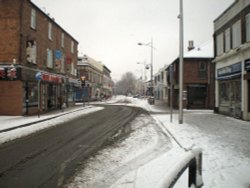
(33, 18)
(247, 22)
(236, 34)
(50, 31)
(219, 44)
(72, 47)
(50, 62)
(228, 39)
(62, 40)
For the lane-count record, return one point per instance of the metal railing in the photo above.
(192, 160)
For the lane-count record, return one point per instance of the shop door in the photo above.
(236, 99)
(196, 96)
(51, 96)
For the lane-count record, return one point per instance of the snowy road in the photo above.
(48, 157)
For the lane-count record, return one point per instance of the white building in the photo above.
(232, 60)
(161, 85)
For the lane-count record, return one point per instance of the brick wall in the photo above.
(9, 30)
(11, 97)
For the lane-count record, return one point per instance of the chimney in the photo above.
(190, 45)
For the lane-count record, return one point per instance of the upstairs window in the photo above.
(219, 44)
(62, 40)
(236, 34)
(33, 19)
(228, 40)
(50, 31)
(202, 70)
(72, 47)
(248, 27)
(49, 58)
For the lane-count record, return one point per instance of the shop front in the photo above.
(229, 90)
(247, 81)
(22, 93)
(197, 96)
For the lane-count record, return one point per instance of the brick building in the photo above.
(37, 60)
(198, 78)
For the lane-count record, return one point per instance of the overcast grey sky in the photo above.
(109, 30)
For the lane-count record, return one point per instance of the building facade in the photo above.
(107, 82)
(37, 60)
(232, 60)
(96, 76)
(198, 78)
(161, 85)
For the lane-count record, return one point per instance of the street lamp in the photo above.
(150, 44)
(181, 64)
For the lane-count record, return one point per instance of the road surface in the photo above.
(47, 158)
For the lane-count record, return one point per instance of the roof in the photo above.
(204, 51)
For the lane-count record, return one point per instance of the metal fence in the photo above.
(191, 160)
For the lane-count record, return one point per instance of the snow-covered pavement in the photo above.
(143, 158)
(140, 161)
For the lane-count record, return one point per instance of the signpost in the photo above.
(38, 78)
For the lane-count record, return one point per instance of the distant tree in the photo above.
(127, 84)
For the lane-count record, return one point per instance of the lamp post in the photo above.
(150, 44)
(181, 64)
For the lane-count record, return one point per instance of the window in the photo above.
(219, 44)
(72, 47)
(236, 34)
(33, 19)
(62, 40)
(224, 90)
(63, 64)
(32, 92)
(202, 70)
(50, 31)
(248, 27)
(49, 58)
(227, 40)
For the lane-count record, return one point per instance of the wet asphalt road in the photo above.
(49, 157)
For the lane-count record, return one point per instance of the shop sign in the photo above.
(232, 69)
(51, 78)
(38, 76)
(8, 73)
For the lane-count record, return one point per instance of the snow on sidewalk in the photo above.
(8, 122)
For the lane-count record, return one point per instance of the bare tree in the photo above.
(127, 84)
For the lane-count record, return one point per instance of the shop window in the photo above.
(248, 96)
(236, 34)
(224, 91)
(32, 94)
(236, 87)
(33, 19)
